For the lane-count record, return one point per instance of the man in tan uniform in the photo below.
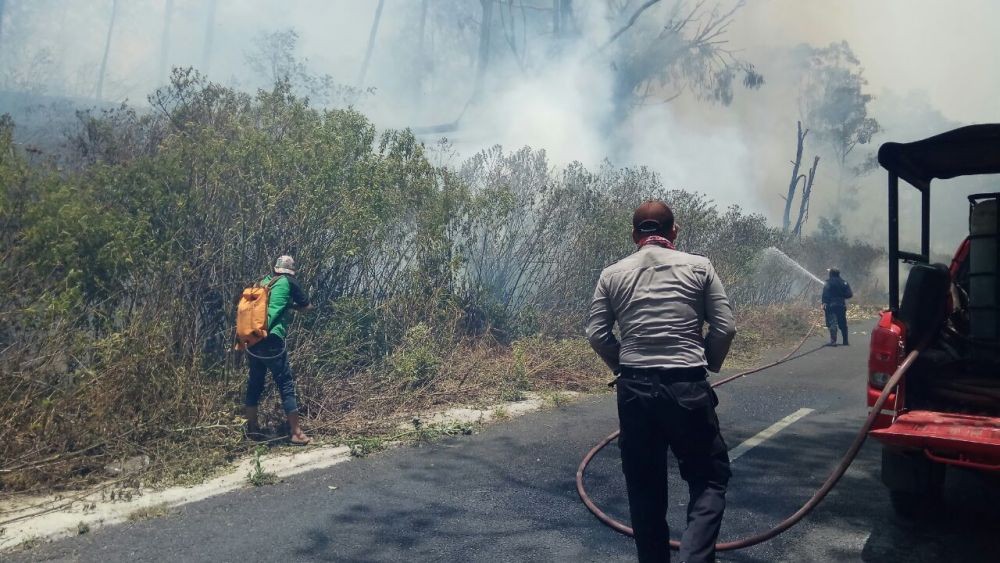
(661, 298)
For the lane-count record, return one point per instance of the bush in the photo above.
(416, 360)
(127, 254)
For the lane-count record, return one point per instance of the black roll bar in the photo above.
(895, 254)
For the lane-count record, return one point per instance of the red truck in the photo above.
(946, 410)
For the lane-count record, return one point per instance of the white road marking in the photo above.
(769, 432)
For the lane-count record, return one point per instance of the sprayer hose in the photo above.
(787, 523)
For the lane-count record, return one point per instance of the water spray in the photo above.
(788, 261)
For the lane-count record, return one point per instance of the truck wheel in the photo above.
(908, 504)
(915, 483)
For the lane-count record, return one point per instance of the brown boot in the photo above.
(295, 434)
(252, 428)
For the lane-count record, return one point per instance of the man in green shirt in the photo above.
(285, 295)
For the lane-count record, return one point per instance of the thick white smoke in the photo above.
(562, 100)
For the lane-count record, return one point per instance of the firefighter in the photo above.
(270, 354)
(659, 298)
(836, 292)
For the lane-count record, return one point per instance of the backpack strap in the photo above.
(272, 281)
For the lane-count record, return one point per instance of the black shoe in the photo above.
(832, 343)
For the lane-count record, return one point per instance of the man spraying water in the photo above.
(836, 292)
(661, 298)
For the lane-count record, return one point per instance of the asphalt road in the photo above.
(507, 493)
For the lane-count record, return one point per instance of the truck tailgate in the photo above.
(956, 439)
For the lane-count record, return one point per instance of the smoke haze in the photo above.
(930, 65)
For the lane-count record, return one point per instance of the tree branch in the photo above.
(631, 22)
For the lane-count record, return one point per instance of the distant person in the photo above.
(660, 298)
(836, 292)
(285, 296)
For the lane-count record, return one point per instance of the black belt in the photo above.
(666, 375)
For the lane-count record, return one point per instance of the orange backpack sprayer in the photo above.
(251, 314)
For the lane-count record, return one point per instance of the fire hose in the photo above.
(810, 504)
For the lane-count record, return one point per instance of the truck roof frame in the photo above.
(965, 151)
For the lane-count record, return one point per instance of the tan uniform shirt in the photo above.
(661, 299)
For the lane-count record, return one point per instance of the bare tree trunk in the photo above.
(631, 21)
(484, 48)
(804, 202)
(107, 49)
(786, 221)
(168, 12)
(206, 55)
(371, 44)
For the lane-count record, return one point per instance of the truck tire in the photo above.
(909, 505)
(915, 483)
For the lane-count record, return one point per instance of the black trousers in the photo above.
(270, 354)
(836, 317)
(675, 409)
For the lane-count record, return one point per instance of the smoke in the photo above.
(550, 86)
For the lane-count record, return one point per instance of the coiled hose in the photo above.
(787, 523)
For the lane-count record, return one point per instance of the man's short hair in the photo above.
(653, 217)
(835, 272)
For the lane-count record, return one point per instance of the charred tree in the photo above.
(371, 44)
(99, 93)
(793, 187)
(804, 201)
(168, 12)
(793, 184)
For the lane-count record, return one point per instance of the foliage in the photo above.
(273, 59)
(257, 476)
(430, 283)
(682, 49)
(834, 102)
(416, 360)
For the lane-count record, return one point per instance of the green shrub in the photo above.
(417, 359)
(126, 260)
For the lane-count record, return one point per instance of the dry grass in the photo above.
(760, 329)
(149, 512)
(860, 312)
(364, 407)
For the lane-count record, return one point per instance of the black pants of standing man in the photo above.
(672, 408)
(836, 317)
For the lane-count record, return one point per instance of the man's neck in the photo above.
(656, 240)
